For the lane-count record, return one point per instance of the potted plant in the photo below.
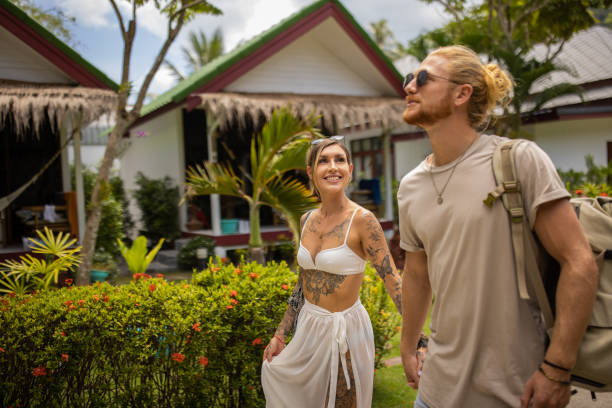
(103, 265)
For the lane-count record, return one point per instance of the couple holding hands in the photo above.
(487, 347)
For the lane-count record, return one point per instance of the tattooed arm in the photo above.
(374, 245)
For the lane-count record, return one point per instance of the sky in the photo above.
(97, 38)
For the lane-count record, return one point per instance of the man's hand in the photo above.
(273, 349)
(541, 392)
(413, 365)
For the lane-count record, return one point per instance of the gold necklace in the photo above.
(439, 193)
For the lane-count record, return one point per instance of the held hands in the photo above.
(413, 366)
(274, 347)
(547, 388)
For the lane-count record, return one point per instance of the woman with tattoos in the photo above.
(330, 359)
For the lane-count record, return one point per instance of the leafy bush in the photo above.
(383, 314)
(150, 342)
(158, 203)
(187, 256)
(592, 183)
(114, 217)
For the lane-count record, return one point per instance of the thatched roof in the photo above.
(30, 103)
(337, 111)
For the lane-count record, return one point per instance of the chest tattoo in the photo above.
(337, 232)
(320, 283)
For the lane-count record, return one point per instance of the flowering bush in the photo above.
(152, 342)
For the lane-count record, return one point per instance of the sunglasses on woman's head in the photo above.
(421, 78)
(337, 138)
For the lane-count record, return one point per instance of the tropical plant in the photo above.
(176, 13)
(158, 202)
(596, 181)
(136, 256)
(187, 256)
(279, 148)
(60, 254)
(200, 52)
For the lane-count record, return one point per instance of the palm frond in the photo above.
(555, 91)
(291, 157)
(174, 71)
(213, 178)
(291, 198)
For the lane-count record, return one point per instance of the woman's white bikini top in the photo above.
(340, 260)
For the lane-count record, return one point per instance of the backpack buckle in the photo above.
(512, 186)
(516, 214)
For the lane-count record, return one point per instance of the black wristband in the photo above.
(558, 367)
(552, 378)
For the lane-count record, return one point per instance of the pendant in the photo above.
(440, 200)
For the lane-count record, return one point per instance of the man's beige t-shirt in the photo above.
(485, 342)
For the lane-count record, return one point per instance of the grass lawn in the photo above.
(391, 390)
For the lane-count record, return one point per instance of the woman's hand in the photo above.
(274, 347)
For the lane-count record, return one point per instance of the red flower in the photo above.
(38, 371)
(579, 192)
(96, 298)
(68, 303)
(196, 326)
(233, 293)
(63, 333)
(65, 357)
(237, 271)
(284, 286)
(224, 260)
(81, 302)
(146, 276)
(234, 301)
(12, 294)
(105, 298)
(228, 307)
(152, 288)
(160, 275)
(603, 194)
(2, 350)
(71, 307)
(256, 341)
(215, 269)
(178, 357)
(203, 361)
(252, 275)
(137, 276)
(68, 281)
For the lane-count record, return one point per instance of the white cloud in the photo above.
(162, 81)
(89, 13)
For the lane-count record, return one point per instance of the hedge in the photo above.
(152, 342)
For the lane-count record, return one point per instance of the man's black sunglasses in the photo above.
(421, 78)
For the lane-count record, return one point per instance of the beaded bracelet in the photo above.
(558, 367)
(279, 339)
(552, 378)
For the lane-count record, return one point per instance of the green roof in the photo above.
(211, 70)
(52, 39)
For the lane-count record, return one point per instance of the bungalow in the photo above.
(48, 92)
(319, 61)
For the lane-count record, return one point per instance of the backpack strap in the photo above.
(523, 242)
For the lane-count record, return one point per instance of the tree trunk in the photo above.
(94, 212)
(256, 250)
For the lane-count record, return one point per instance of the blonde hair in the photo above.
(492, 86)
(312, 158)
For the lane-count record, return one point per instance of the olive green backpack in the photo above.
(593, 369)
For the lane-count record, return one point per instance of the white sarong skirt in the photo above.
(301, 374)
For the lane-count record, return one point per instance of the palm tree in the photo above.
(279, 148)
(200, 52)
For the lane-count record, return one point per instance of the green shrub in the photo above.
(158, 202)
(383, 314)
(592, 183)
(153, 343)
(187, 257)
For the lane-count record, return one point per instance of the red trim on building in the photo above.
(270, 236)
(41, 45)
